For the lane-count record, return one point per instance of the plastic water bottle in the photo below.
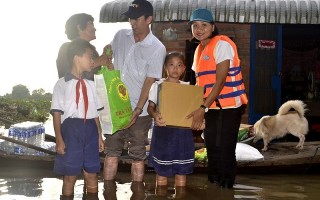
(35, 134)
(31, 139)
(10, 144)
(3, 143)
(17, 136)
(28, 132)
(27, 139)
(38, 133)
(23, 138)
(43, 133)
(31, 132)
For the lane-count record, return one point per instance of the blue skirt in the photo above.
(172, 151)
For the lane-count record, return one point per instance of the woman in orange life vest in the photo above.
(217, 69)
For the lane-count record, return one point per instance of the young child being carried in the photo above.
(75, 106)
(172, 148)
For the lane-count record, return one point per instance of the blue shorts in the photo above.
(82, 148)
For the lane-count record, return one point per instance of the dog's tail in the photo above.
(297, 105)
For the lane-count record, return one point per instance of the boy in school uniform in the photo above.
(75, 106)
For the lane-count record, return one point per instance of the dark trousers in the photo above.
(220, 134)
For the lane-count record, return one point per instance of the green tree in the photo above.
(38, 94)
(20, 92)
(47, 96)
(19, 110)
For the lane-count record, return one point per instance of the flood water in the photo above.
(43, 184)
(18, 183)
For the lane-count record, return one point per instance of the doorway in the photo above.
(301, 68)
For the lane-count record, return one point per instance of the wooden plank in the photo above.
(28, 145)
(50, 138)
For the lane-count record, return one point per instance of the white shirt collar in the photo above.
(147, 41)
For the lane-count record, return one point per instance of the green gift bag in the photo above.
(114, 95)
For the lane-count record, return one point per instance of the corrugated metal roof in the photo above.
(239, 11)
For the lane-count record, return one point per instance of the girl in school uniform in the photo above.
(172, 148)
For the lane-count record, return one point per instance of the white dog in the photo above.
(286, 121)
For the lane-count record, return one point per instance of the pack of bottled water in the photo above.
(28, 132)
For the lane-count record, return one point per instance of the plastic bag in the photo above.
(245, 152)
(114, 95)
(243, 134)
(201, 155)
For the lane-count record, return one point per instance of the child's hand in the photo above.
(159, 120)
(60, 146)
(101, 143)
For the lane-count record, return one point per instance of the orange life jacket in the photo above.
(233, 92)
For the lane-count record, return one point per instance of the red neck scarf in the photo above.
(85, 96)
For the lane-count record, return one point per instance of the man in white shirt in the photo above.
(139, 56)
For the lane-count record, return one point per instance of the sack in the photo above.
(245, 152)
(117, 110)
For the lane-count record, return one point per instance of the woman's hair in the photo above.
(71, 27)
(172, 55)
(215, 32)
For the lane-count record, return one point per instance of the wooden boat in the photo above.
(27, 161)
(281, 157)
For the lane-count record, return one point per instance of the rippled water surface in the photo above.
(17, 185)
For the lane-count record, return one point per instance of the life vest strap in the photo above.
(233, 84)
(237, 70)
(227, 84)
(231, 94)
